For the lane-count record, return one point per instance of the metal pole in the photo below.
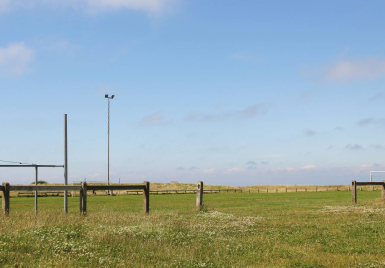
(65, 164)
(108, 146)
(36, 179)
(371, 186)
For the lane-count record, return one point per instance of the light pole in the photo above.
(108, 154)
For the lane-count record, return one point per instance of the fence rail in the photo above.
(354, 189)
(6, 188)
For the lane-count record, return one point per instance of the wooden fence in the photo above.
(253, 190)
(355, 184)
(6, 188)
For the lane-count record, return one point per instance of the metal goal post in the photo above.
(373, 174)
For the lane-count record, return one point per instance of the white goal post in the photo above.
(371, 176)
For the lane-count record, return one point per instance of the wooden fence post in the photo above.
(84, 199)
(81, 199)
(199, 200)
(285, 190)
(146, 197)
(383, 191)
(5, 199)
(354, 194)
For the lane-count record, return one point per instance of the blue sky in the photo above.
(227, 92)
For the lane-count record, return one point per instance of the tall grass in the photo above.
(234, 230)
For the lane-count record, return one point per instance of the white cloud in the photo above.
(368, 68)
(209, 171)
(246, 113)
(155, 119)
(309, 167)
(15, 58)
(58, 45)
(236, 169)
(4, 4)
(151, 6)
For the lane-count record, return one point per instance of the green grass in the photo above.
(312, 229)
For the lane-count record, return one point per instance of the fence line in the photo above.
(6, 188)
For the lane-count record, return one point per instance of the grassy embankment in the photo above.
(234, 230)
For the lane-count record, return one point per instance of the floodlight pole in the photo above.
(108, 143)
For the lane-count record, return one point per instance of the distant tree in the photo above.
(40, 182)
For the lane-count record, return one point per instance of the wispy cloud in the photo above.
(246, 113)
(371, 121)
(272, 155)
(58, 45)
(209, 171)
(155, 119)
(378, 96)
(377, 146)
(180, 168)
(150, 6)
(309, 167)
(367, 68)
(339, 129)
(236, 169)
(310, 133)
(264, 162)
(243, 56)
(15, 58)
(252, 163)
(354, 147)
(193, 168)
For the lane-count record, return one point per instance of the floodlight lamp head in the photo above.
(112, 96)
(106, 96)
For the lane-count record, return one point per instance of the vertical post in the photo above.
(84, 203)
(5, 199)
(81, 199)
(371, 186)
(315, 189)
(285, 190)
(199, 200)
(354, 192)
(383, 190)
(146, 197)
(65, 164)
(36, 179)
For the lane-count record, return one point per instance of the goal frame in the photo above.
(371, 176)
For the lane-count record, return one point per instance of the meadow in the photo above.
(313, 229)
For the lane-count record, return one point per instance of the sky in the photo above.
(225, 92)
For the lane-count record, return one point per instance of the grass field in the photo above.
(302, 229)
